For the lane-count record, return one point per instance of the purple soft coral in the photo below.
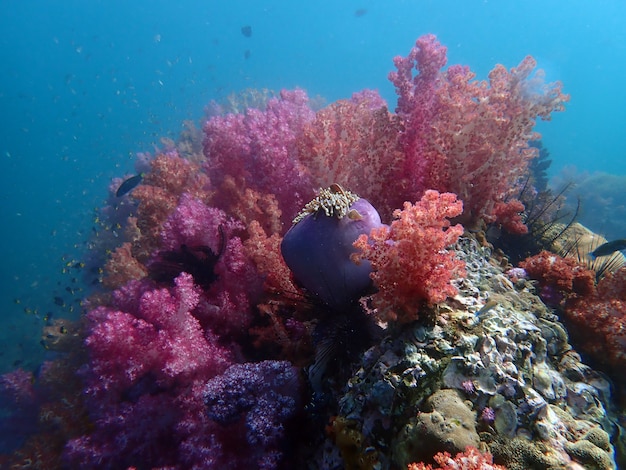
(255, 400)
(318, 247)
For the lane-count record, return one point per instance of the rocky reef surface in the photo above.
(490, 368)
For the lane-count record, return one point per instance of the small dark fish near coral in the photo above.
(609, 248)
(246, 31)
(128, 185)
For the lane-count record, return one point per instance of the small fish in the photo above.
(360, 12)
(485, 308)
(246, 31)
(608, 248)
(129, 184)
(247, 54)
(59, 301)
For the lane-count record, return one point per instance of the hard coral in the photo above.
(446, 423)
(466, 136)
(410, 260)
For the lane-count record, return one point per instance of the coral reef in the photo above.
(218, 331)
(602, 200)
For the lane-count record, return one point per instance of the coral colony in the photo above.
(292, 288)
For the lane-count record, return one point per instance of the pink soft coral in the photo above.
(355, 143)
(409, 258)
(471, 459)
(466, 136)
(558, 277)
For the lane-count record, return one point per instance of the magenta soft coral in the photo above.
(258, 148)
(410, 259)
(236, 284)
(144, 363)
(466, 136)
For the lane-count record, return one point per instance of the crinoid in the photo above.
(545, 218)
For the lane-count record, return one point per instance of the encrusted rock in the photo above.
(493, 365)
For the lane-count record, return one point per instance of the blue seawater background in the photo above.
(85, 84)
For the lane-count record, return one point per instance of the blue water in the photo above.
(86, 84)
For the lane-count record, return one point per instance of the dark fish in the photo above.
(247, 54)
(59, 301)
(129, 184)
(360, 12)
(609, 248)
(246, 31)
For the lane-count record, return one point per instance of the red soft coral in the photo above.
(471, 459)
(559, 276)
(604, 313)
(410, 260)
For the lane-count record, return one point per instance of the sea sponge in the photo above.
(318, 247)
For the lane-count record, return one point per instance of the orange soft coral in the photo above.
(264, 251)
(410, 260)
(122, 267)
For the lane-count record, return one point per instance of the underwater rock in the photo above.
(447, 424)
(520, 387)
